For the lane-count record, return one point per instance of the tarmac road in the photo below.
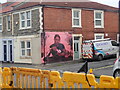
(103, 67)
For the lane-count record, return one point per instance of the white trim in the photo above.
(76, 18)
(25, 20)
(25, 41)
(117, 37)
(102, 19)
(41, 19)
(7, 22)
(12, 25)
(8, 49)
(80, 42)
(98, 34)
(1, 23)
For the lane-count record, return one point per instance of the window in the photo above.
(25, 48)
(99, 36)
(28, 48)
(8, 23)
(114, 43)
(25, 20)
(28, 18)
(98, 19)
(22, 20)
(76, 17)
(0, 24)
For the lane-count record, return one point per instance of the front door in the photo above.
(7, 50)
(76, 49)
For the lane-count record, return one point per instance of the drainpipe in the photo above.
(43, 30)
(119, 27)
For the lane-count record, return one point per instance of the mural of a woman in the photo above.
(60, 49)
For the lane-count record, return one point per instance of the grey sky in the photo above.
(113, 3)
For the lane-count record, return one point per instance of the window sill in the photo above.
(25, 28)
(8, 30)
(99, 27)
(76, 26)
(25, 57)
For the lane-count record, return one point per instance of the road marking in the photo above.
(103, 67)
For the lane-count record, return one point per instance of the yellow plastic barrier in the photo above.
(36, 78)
(117, 82)
(55, 80)
(0, 77)
(107, 82)
(7, 78)
(75, 78)
(26, 77)
(45, 79)
(92, 80)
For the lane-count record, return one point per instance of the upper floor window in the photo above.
(25, 20)
(98, 19)
(76, 18)
(0, 24)
(8, 23)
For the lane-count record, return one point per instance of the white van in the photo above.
(98, 49)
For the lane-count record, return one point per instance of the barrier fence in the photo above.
(35, 78)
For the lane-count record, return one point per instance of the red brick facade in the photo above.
(60, 19)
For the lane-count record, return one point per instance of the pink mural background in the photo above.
(65, 39)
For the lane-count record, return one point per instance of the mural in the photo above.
(56, 46)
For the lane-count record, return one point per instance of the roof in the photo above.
(22, 5)
(91, 5)
(8, 6)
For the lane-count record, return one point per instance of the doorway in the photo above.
(7, 50)
(77, 46)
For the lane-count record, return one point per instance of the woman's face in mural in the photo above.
(57, 40)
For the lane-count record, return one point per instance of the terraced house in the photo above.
(30, 30)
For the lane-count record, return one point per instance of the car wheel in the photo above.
(100, 57)
(117, 73)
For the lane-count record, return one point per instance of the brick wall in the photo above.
(59, 19)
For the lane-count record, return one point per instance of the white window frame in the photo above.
(26, 27)
(99, 34)
(8, 29)
(28, 49)
(102, 18)
(117, 37)
(25, 48)
(1, 23)
(22, 21)
(76, 18)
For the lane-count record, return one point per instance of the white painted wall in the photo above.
(35, 48)
(1, 50)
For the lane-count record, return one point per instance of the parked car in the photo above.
(98, 49)
(116, 68)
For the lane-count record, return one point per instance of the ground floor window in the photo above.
(98, 36)
(26, 48)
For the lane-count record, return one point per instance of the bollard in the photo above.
(91, 71)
